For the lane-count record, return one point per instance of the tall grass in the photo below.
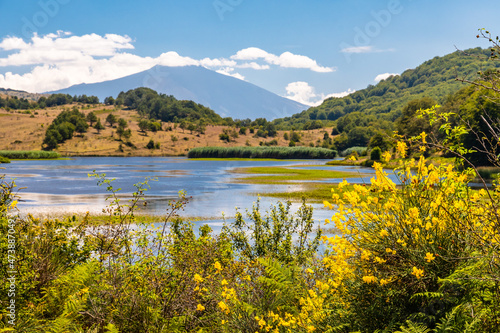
(29, 154)
(262, 152)
(361, 151)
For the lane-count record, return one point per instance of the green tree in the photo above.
(376, 154)
(109, 100)
(143, 125)
(409, 124)
(151, 144)
(98, 126)
(111, 119)
(91, 118)
(81, 126)
(183, 125)
(122, 123)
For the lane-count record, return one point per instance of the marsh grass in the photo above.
(29, 154)
(283, 175)
(311, 192)
(262, 152)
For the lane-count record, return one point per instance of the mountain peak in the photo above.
(226, 95)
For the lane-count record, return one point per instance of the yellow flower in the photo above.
(384, 233)
(310, 271)
(417, 272)
(223, 306)
(198, 278)
(383, 282)
(401, 148)
(342, 185)
(218, 266)
(386, 156)
(369, 279)
(414, 213)
(200, 307)
(310, 328)
(13, 204)
(429, 257)
(223, 282)
(423, 135)
(352, 158)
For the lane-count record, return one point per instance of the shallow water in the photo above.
(63, 186)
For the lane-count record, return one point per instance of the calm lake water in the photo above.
(63, 186)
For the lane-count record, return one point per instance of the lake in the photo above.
(63, 186)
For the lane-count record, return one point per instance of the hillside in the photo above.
(383, 102)
(226, 95)
(20, 94)
(25, 130)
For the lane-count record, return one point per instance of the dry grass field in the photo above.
(23, 131)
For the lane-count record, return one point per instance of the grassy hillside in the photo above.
(383, 102)
(25, 130)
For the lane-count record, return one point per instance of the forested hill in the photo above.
(166, 108)
(435, 78)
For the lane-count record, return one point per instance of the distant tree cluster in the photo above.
(16, 103)
(165, 108)
(63, 128)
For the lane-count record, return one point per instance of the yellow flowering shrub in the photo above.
(401, 239)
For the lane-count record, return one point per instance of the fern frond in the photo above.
(412, 327)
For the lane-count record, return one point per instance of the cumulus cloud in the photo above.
(286, 59)
(59, 60)
(384, 76)
(302, 92)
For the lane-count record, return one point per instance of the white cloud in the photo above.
(340, 94)
(286, 59)
(229, 72)
(253, 65)
(357, 49)
(384, 76)
(303, 93)
(364, 49)
(59, 60)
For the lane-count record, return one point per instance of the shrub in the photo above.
(376, 154)
(151, 144)
(361, 151)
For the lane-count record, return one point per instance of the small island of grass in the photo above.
(262, 152)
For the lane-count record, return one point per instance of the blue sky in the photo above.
(306, 50)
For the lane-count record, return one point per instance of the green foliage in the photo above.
(409, 124)
(360, 151)
(16, 103)
(99, 126)
(151, 144)
(29, 154)
(412, 327)
(376, 154)
(272, 235)
(381, 104)
(91, 118)
(166, 108)
(4, 159)
(63, 127)
(262, 152)
(111, 119)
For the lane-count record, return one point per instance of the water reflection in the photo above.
(63, 186)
